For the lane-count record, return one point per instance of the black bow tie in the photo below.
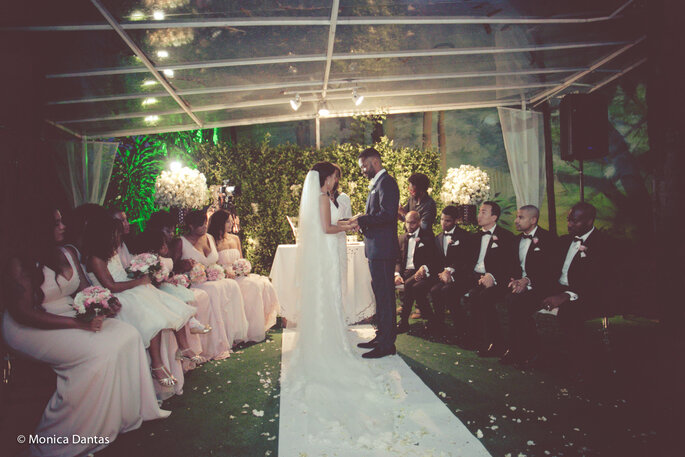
(527, 237)
(411, 235)
(485, 233)
(449, 234)
(577, 238)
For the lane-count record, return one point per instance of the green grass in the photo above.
(519, 412)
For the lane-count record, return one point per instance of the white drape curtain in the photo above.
(525, 145)
(85, 168)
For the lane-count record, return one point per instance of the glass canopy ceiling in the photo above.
(126, 67)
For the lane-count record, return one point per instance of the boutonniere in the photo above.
(536, 240)
(417, 239)
(583, 250)
(494, 238)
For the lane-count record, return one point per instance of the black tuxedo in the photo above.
(460, 252)
(501, 261)
(417, 290)
(540, 264)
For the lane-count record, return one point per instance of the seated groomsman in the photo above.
(455, 248)
(583, 277)
(537, 253)
(414, 270)
(490, 270)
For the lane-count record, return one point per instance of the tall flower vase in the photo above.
(467, 215)
(180, 216)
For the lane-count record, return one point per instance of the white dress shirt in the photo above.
(524, 245)
(570, 255)
(411, 247)
(484, 241)
(446, 241)
(375, 178)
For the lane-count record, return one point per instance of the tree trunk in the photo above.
(427, 130)
(442, 142)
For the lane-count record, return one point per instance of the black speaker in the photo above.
(584, 122)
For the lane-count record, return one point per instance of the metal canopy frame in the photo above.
(329, 87)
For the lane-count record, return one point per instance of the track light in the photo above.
(296, 102)
(323, 109)
(358, 99)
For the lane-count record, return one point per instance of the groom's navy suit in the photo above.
(379, 226)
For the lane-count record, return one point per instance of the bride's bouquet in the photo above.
(183, 188)
(94, 301)
(146, 264)
(179, 280)
(197, 274)
(215, 272)
(466, 185)
(242, 267)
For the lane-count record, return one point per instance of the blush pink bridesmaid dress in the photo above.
(104, 386)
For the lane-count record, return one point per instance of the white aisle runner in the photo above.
(427, 422)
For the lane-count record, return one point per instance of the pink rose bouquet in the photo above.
(197, 274)
(179, 280)
(94, 301)
(215, 272)
(242, 267)
(144, 264)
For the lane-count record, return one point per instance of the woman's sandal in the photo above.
(167, 381)
(196, 359)
(199, 328)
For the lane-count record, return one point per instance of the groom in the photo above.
(379, 226)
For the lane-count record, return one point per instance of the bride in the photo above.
(344, 401)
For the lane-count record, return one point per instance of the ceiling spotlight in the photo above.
(169, 73)
(137, 15)
(158, 15)
(358, 99)
(149, 82)
(296, 102)
(151, 119)
(323, 109)
(149, 101)
(162, 54)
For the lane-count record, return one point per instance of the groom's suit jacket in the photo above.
(379, 224)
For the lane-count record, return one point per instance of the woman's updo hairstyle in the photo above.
(196, 218)
(325, 170)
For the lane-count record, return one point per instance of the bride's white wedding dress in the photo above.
(354, 403)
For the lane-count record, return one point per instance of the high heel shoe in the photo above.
(167, 381)
(200, 329)
(196, 359)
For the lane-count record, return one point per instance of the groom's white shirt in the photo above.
(375, 178)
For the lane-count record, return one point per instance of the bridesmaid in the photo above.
(103, 380)
(258, 292)
(199, 247)
(123, 250)
(143, 306)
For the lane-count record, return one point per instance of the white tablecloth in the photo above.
(358, 299)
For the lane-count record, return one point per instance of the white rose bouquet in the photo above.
(466, 185)
(146, 264)
(215, 272)
(94, 301)
(184, 188)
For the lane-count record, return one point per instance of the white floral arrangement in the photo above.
(144, 264)
(466, 185)
(215, 272)
(179, 280)
(183, 188)
(242, 267)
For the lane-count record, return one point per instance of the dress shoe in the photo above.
(377, 353)
(491, 351)
(402, 327)
(369, 344)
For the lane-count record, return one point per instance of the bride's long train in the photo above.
(399, 416)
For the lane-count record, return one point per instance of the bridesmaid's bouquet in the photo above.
(242, 267)
(161, 275)
(197, 274)
(94, 301)
(215, 272)
(144, 264)
(179, 280)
